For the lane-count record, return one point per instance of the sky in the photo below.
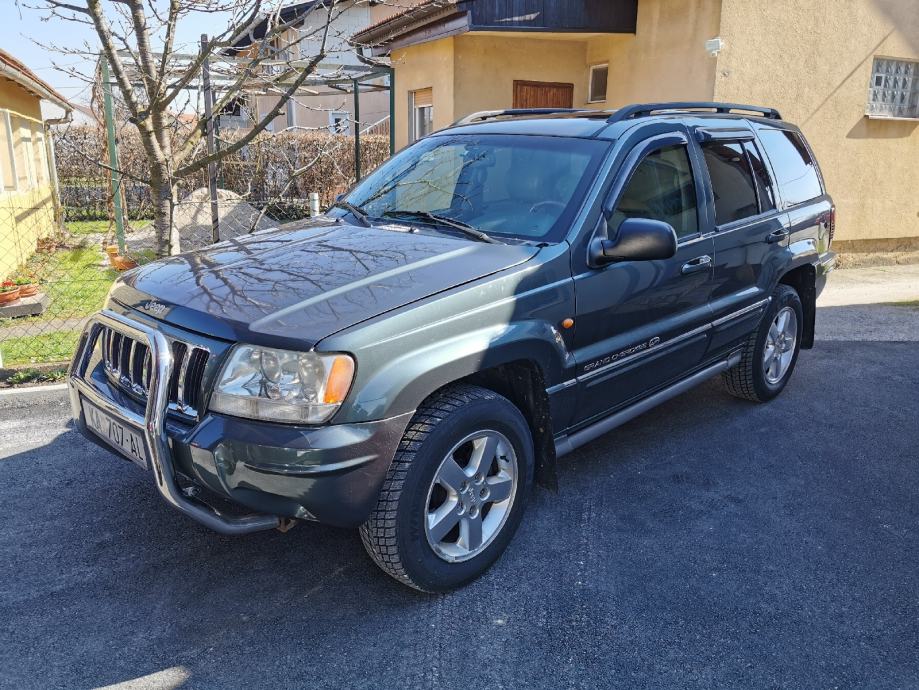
(20, 27)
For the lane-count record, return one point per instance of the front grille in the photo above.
(128, 364)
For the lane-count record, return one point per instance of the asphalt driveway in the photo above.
(711, 542)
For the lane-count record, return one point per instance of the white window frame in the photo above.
(877, 108)
(26, 124)
(345, 116)
(590, 83)
(12, 153)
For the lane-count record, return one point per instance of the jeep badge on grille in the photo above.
(154, 307)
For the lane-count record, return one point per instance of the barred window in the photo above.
(894, 89)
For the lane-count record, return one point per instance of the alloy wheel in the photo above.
(779, 348)
(471, 496)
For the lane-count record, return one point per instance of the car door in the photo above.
(640, 324)
(750, 231)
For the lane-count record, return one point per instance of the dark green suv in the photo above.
(492, 298)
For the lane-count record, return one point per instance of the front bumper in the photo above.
(331, 473)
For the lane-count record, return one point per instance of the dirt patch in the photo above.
(861, 260)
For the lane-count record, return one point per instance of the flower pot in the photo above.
(9, 296)
(123, 263)
(28, 290)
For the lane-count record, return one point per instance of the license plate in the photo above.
(123, 437)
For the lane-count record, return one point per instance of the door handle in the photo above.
(700, 263)
(776, 236)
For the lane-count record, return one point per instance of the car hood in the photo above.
(293, 287)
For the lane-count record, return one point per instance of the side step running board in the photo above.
(568, 443)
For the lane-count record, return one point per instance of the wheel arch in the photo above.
(523, 383)
(804, 281)
(518, 361)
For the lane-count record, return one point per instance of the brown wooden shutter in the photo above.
(423, 98)
(542, 94)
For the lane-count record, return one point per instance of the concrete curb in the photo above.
(27, 390)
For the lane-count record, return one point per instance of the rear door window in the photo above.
(795, 170)
(732, 181)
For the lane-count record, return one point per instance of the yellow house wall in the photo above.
(488, 64)
(429, 65)
(665, 60)
(813, 62)
(25, 215)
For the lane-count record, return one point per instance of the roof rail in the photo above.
(645, 109)
(513, 112)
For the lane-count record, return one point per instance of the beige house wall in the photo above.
(487, 64)
(813, 62)
(665, 60)
(429, 65)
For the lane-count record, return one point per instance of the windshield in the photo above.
(527, 187)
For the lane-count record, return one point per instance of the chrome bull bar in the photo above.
(153, 423)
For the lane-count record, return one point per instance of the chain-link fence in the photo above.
(57, 262)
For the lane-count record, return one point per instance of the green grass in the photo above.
(57, 346)
(914, 303)
(90, 227)
(77, 281)
(24, 376)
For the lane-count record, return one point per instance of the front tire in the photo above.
(770, 354)
(455, 492)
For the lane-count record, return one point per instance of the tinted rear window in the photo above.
(795, 170)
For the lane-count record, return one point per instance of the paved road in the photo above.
(709, 543)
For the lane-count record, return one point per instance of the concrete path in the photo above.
(862, 304)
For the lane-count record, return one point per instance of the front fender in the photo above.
(405, 381)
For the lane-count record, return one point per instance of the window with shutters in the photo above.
(421, 107)
(894, 89)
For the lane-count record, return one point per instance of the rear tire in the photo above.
(770, 354)
(455, 492)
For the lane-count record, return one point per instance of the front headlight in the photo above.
(282, 385)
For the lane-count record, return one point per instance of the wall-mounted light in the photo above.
(713, 46)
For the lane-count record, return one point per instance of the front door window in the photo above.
(662, 188)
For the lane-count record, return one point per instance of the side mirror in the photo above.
(636, 239)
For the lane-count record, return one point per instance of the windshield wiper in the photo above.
(464, 228)
(356, 211)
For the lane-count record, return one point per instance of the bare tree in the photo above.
(155, 81)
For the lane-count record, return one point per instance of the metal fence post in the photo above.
(113, 154)
(357, 130)
(392, 111)
(209, 129)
